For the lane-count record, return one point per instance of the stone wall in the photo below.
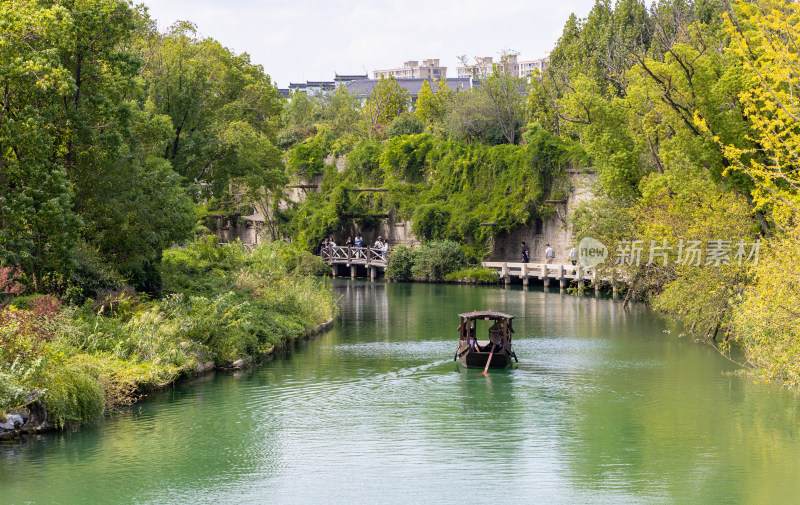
(556, 231)
(231, 228)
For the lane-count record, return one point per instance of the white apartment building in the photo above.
(430, 69)
(483, 66)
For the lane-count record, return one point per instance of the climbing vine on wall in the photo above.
(446, 188)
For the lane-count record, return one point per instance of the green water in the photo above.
(604, 407)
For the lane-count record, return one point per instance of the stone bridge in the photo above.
(547, 273)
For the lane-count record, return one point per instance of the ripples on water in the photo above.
(602, 408)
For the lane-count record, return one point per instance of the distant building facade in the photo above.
(315, 87)
(484, 66)
(411, 76)
(430, 69)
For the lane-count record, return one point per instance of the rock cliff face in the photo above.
(555, 230)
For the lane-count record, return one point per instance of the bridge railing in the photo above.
(353, 255)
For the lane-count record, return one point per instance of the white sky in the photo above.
(310, 40)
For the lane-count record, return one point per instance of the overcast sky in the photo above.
(311, 40)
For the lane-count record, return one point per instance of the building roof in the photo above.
(353, 77)
(364, 87)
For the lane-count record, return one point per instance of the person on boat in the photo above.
(472, 339)
(496, 335)
(472, 343)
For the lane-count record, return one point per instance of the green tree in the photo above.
(387, 101)
(431, 107)
(405, 124)
(205, 89)
(504, 98)
(340, 110)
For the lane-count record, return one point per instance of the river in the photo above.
(606, 406)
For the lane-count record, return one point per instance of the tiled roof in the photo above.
(364, 87)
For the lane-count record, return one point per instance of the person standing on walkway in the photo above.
(359, 241)
(549, 255)
(573, 255)
(526, 254)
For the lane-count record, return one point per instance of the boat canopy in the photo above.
(486, 315)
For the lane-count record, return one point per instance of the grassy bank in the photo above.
(221, 305)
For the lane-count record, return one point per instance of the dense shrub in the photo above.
(73, 392)
(400, 263)
(766, 321)
(406, 124)
(404, 158)
(90, 275)
(307, 158)
(434, 260)
(430, 221)
(474, 275)
(363, 162)
(298, 261)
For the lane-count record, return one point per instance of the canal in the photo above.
(606, 406)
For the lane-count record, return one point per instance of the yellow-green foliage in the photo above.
(72, 391)
(678, 207)
(763, 36)
(767, 322)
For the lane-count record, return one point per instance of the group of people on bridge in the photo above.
(381, 245)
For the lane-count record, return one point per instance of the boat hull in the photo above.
(473, 359)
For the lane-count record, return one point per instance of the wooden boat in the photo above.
(475, 353)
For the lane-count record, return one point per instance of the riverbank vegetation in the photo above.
(683, 110)
(686, 112)
(221, 304)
